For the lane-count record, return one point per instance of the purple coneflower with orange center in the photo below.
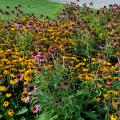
(35, 108)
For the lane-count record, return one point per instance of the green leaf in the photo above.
(80, 118)
(1, 99)
(10, 118)
(54, 117)
(1, 116)
(43, 116)
(79, 93)
(22, 111)
(92, 115)
(22, 118)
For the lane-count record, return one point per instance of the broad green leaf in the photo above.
(22, 118)
(1, 116)
(92, 115)
(80, 118)
(22, 111)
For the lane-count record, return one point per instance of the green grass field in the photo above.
(37, 7)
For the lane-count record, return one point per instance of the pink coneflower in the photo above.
(100, 58)
(17, 26)
(35, 108)
(21, 77)
(17, 80)
(27, 99)
(38, 56)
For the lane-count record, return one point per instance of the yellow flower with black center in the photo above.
(114, 92)
(12, 75)
(12, 82)
(81, 76)
(3, 88)
(80, 64)
(6, 104)
(113, 117)
(85, 69)
(105, 69)
(106, 96)
(12, 29)
(105, 63)
(6, 72)
(99, 85)
(8, 95)
(25, 82)
(98, 99)
(115, 103)
(107, 77)
(10, 112)
(113, 68)
(93, 59)
(89, 77)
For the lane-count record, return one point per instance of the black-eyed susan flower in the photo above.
(81, 76)
(8, 95)
(113, 117)
(6, 104)
(85, 69)
(115, 103)
(12, 82)
(3, 88)
(10, 112)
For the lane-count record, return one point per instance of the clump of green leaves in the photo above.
(60, 99)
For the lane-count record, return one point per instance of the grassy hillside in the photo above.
(37, 7)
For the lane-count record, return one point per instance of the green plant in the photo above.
(61, 99)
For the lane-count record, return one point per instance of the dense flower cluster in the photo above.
(16, 72)
(88, 48)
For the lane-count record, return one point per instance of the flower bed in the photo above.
(61, 69)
